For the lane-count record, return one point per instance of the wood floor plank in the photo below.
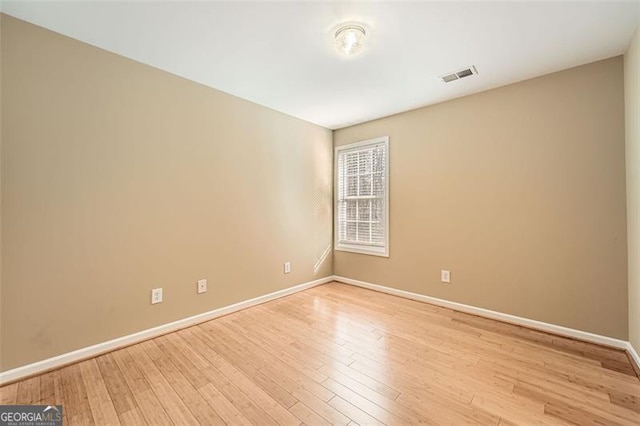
(353, 412)
(75, 396)
(307, 415)
(337, 354)
(620, 366)
(297, 390)
(384, 410)
(132, 417)
(100, 402)
(51, 389)
(197, 405)
(223, 406)
(145, 398)
(276, 391)
(299, 344)
(631, 402)
(574, 415)
(320, 407)
(614, 414)
(168, 398)
(152, 409)
(29, 391)
(197, 347)
(186, 367)
(513, 408)
(259, 395)
(116, 384)
(400, 374)
(280, 352)
(562, 387)
(444, 410)
(261, 357)
(346, 373)
(9, 394)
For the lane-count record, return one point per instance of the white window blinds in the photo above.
(362, 197)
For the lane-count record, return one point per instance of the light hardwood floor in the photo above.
(344, 355)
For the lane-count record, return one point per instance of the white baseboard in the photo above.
(108, 346)
(512, 319)
(633, 354)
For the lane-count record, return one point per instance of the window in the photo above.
(362, 197)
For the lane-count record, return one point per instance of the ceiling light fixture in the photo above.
(350, 39)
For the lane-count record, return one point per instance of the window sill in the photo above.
(378, 251)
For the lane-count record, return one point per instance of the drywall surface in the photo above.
(519, 192)
(632, 121)
(118, 178)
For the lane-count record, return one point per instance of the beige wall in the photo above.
(118, 178)
(519, 191)
(632, 109)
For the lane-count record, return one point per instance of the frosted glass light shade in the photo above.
(350, 39)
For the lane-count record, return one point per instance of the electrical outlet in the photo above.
(156, 296)
(202, 286)
(287, 267)
(445, 276)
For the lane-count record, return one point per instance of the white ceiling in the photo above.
(280, 54)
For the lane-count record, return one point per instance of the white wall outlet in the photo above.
(445, 276)
(156, 296)
(287, 267)
(202, 286)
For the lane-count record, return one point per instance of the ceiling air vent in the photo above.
(459, 74)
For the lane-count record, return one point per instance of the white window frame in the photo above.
(361, 248)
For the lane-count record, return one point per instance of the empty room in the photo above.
(310, 213)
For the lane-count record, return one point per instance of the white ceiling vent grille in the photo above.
(459, 74)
